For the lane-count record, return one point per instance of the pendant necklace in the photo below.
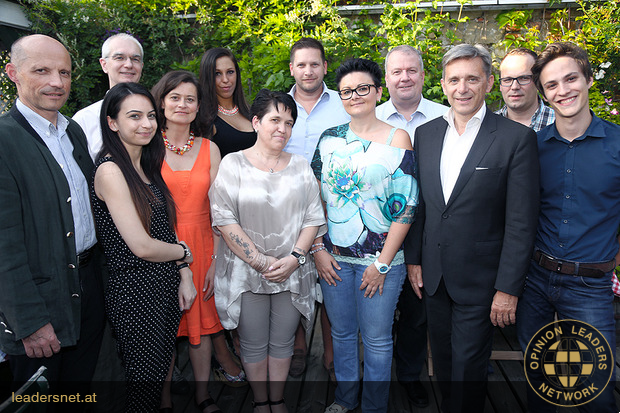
(271, 170)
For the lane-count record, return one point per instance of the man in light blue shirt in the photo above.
(404, 77)
(407, 109)
(318, 108)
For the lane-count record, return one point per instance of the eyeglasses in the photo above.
(361, 90)
(121, 58)
(521, 80)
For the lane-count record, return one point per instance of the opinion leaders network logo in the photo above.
(568, 363)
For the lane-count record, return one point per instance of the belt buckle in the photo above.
(559, 266)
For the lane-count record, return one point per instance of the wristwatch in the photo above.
(381, 267)
(301, 259)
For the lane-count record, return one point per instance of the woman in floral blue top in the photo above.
(366, 171)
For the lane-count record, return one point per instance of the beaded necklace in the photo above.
(182, 149)
(228, 112)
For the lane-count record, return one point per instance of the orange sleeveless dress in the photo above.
(189, 190)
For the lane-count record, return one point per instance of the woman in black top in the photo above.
(225, 112)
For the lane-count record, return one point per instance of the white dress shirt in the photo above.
(456, 148)
(88, 119)
(59, 144)
(326, 113)
(427, 110)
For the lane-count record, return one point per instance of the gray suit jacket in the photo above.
(481, 240)
(37, 285)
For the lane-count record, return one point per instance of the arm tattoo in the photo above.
(243, 244)
(299, 250)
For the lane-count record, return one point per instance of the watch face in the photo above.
(301, 259)
(383, 269)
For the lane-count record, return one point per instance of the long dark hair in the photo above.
(151, 159)
(166, 85)
(208, 110)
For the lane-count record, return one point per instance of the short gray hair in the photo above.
(105, 49)
(408, 50)
(467, 51)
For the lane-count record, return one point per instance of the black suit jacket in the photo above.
(481, 240)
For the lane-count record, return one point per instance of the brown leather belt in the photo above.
(583, 269)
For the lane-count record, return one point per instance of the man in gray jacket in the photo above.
(51, 300)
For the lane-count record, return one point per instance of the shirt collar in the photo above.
(324, 95)
(539, 110)
(479, 116)
(423, 107)
(596, 129)
(38, 122)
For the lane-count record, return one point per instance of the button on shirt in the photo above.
(326, 113)
(580, 193)
(427, 110)
(59, 144)
(456, 148)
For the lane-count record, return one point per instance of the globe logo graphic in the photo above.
(568, 363)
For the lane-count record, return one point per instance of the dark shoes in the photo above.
(298, 363)
(416, 393)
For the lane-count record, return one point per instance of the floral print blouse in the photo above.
(366, 186)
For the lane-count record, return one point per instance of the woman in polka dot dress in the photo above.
(150, 281)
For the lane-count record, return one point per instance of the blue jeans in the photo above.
(351, 313)
(580, 298)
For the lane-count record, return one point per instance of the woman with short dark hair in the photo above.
(266, 205)
(366, 169)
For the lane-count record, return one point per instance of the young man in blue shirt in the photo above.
(576, 242)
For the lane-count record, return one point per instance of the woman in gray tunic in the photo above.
(265, 204)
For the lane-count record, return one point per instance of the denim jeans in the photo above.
(580, 298)
(351, 313)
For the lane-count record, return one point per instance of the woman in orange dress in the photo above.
(190, 166)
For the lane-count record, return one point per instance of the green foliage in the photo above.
(427, 32)
(7, 88)
(596, 28)
(598, 32)
(261, 32)
(83, 25)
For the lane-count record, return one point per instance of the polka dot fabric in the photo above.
(141, 304)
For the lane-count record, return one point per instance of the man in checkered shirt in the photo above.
(522, 103)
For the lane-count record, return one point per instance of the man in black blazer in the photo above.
(473, 235)
(51, 298)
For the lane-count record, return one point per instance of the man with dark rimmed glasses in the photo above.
(522, 103)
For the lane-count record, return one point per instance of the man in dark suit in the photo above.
(51, 300)
(474, 232)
